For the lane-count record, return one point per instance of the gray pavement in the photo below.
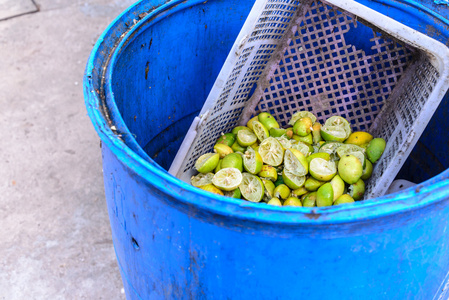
(55, 241)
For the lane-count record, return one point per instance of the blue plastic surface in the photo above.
(144, 83)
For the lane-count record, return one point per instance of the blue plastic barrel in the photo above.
(146, 79)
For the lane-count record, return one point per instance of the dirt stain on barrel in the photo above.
(147, 69)
(195, 266)
(312, 215)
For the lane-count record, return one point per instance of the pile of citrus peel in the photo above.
(306, 164)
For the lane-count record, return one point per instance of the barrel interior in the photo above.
(160, 83)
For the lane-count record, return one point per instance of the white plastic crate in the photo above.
(313, 55)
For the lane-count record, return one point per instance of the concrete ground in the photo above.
(55, 241)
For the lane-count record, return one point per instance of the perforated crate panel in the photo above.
(330, 58)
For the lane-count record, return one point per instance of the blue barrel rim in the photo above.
(127, 152)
